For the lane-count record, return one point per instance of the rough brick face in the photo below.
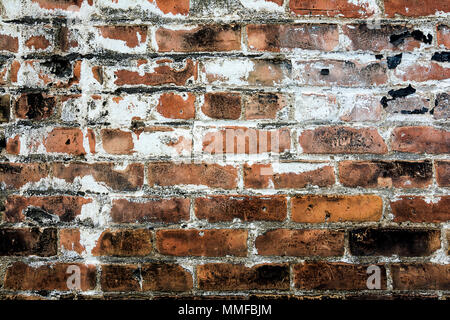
(224, 149)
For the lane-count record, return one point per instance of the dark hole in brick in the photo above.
(441, 56)
(394, 61)
(325, 72)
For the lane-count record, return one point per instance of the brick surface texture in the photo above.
(234, 149)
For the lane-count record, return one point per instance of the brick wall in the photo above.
(224, 148)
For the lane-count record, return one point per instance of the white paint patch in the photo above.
(315, 107)
(296, 167)
(261, 5)
(231, 71)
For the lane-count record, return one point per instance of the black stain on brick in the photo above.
(379, 56)
(59, 66)
(325, 72)
(40, 216)
(441, 56)
(270, 274)
(400, 93)
(394, 61)
(23, 242)
(36, 105)
(398, 39)
(4, 108)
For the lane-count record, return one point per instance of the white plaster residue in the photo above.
(315, 107)
(296, 167)
(123, 109)
(140, 5)
(234, 72)
(88, 239)
(261, 5)
(120, 45)
(169, 143)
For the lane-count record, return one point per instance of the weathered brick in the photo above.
(336, 208)
(288, 175)
(70, 240)
(16, 175)
(5, 108)
(443, 173)
(334, 276)
(441, 108)
(133, 36)
(28, 241)
(390, 241)
(63, 5)
(150, 210)
(65, 140)
(332, 8)
(420, 276)
(50, 276)
(116, 141)
(386, 174)
(230, 277)
(211, 175)
(34, 106)
(176, 106)
(202, 38)
(287, 242)
(245, 208)
(303, 36)
(342, 140)
(263, 105)
(41, 209)
(420, 140)
(420, 209)
(421, 71)
(203, 243)
(415, 8)
(443, 36)
(124, 243)
(9, 43)
(222, 105)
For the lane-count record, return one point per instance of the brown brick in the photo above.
(133, 36)
(333, 276)
(245, 208)
(443, 36)
(415, 8)
(9, 43)
(443, 173)
(35, 106)
(37, 43)
(13, 145)
(209, 243)
(420, 276)
(330, 8)
(65, 140)
(70, 240)
(419, 209)
(5, 108)
(382, 174)
(342, 140)
(16, 175)
(202, 38)
(222, 105)
(336, 208)
(264, 105)
(51, 276)
(19, 208)
(124, 243)
(116, 141)
(422, 71)
(420, 140)
(63, 5)
(120, 277)
(173, 6)
(389, 241)
(261, 176)
(130, 178)
(286, 242)
(264, 37)
(441, 108)
(175, 106)
(150, 210)
(232, 277)
(165, 277)
(211, 175)
(28, 241)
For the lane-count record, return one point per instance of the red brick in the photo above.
(422, 71)
(420, 276)
(334, 276)
(131, 178)
(28, 241)
(35, 106)
(415, 8)
(13, 145)
(153, 276)
(420, 140)
(382, 174)
(133, 36)
(202, 243)
(63, 5)
(161, 75)
(243, 140)
(443, 36)
(245, 208)
(200, 39)
(263, 37)
(286, 242)
(330, 8)
(211, 175)
(150, 210)
(65, 207)
(336, 208)
(263, 105)
(261, 176)
(37, 42)
(175, 106)
(70, 240)
(340, 73)
(222, 105)
(65, 140)
(51, 276)
(394, 241)
(232, 277)
(124, 243)
(173, 6)
(9, 43)
(443, 173)
(419, 209)
(339, 139)
(441, 110)
(16, 175)
(116, 141)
